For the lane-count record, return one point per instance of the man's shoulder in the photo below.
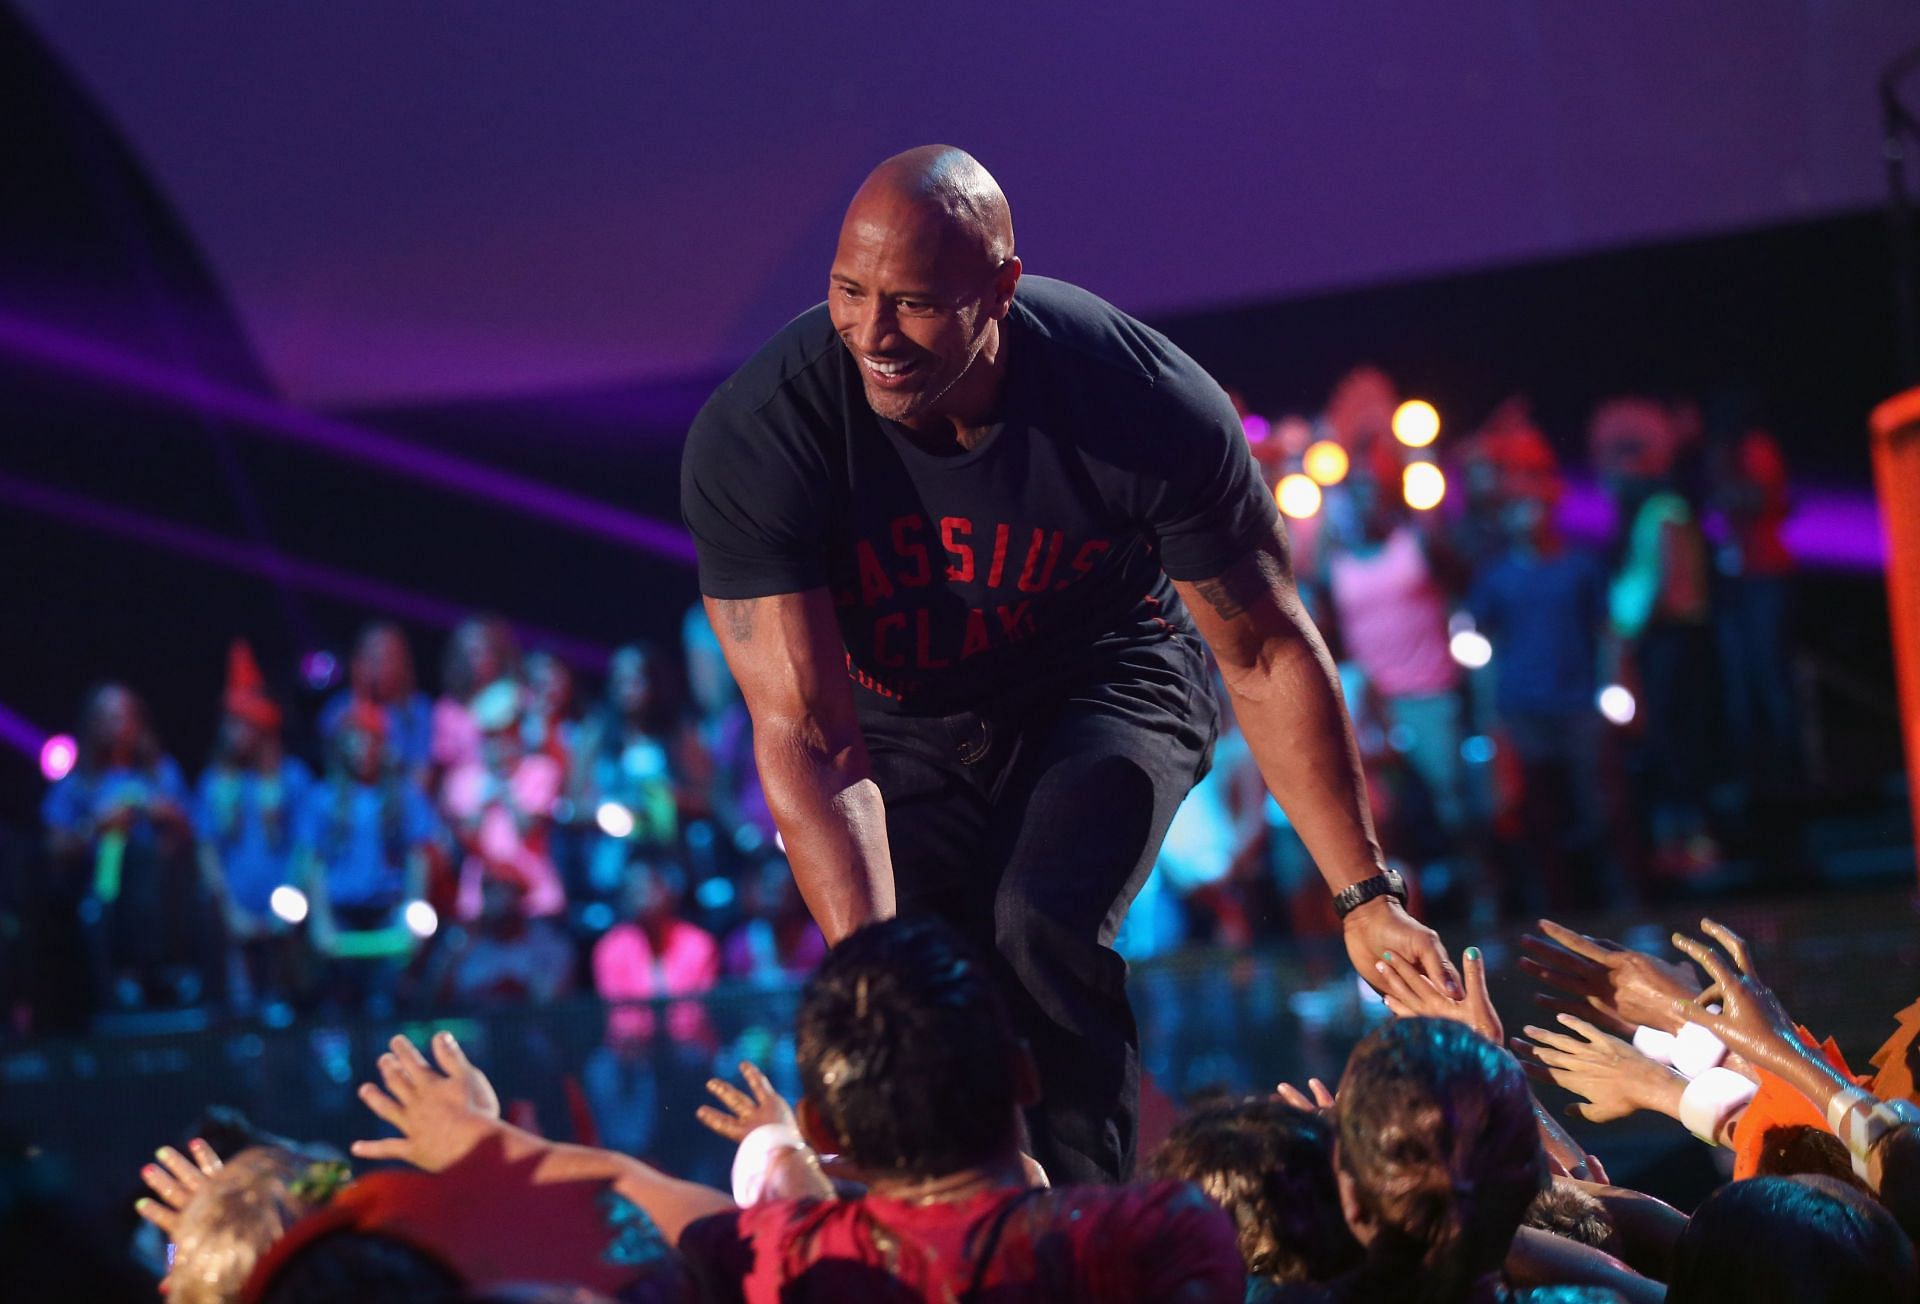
(1083, 329)
(800, 363)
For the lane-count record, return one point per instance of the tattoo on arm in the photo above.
(1221, 598)
(738, 613)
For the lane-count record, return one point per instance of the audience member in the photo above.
(501, 807)
(482, 651)
(1752, 609)
(626, 758)
(776, 943)
(723, 780)
(654, 953)
(245, 813)
(1775, 1240)
(120, 836)
(363, 835)
(380, 671)
(503, 956)
(1658, 606)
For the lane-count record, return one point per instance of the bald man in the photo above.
(962, 532)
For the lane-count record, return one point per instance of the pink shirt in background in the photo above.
(1393, 617)
(625, 968)
(504, 847)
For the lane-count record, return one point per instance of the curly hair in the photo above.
(1437, 1136)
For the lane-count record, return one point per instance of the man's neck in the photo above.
(1004, 1171)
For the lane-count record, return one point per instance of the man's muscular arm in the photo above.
(786, 653)
(1286, 694)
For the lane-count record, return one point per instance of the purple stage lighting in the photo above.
(267, 418)
(255, 559)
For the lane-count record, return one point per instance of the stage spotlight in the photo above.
(1415, 423)
(1298, 496)
(422, 920)
(288, 902)
(615, 820)
(1617, 704)
(1423, 486)
(1256, 426)
(1325, 462)
(1470, 648)
(57, 756)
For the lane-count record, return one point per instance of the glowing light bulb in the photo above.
(422, 920)
(1470, 648)
(1415, 423)
(288, 902)
(1617, 704)
(1298, 496)
(57, 756)
(1325, 462)
(615, 820)
(1423, 486)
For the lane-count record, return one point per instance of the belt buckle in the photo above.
(974, 748)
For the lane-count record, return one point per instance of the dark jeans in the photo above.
(1752, 615)
(1030, 825)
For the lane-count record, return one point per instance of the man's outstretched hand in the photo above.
(1382, 925)
(441, 1113)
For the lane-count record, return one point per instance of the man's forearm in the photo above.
(1291, 712)
(828, 807)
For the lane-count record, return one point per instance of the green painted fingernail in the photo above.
(1473, 953)
(142, 1203)
(1386, 955)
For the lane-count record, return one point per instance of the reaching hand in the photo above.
(1410, 993)
(1615, 987)
(1382, 925)
(176, 1182)
(1616, 1079)
(1322, 1098)
(1751, 1020)
(743, 1113)
(441, 1114)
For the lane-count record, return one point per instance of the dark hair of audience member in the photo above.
(1439, 1156)
(1270, 1166)
(364, 1268)
(1801, 1149)
(1784, 1240)
(906, 1052)
(1570, 1212)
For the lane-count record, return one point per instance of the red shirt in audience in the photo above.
(1162, 1241)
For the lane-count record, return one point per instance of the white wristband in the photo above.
(754, 1160)
(1695, 1050)
(1711, 1099)
(1655, 1043)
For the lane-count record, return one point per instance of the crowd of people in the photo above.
(1548, 722)
(498, 844)
(1430, 1172)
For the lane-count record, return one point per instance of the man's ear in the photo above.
(1026, 1076)
(814, 1129)
(1003, 282)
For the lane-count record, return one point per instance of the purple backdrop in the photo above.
(432, 200)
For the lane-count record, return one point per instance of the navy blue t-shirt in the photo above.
(1544, 618)
(1016, 564)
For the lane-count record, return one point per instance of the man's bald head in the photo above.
(922, 276)
(938, 185)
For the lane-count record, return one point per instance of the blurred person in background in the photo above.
(120, 838)
(500, 806)
(723, 780)
(775, 943)
(549, 726)
(483, 650)
(1543, 605)
(381, 672)
(652, 953)
(1658, 605)
(245, 811)
(364, 834)
(1389, 579)
(1752, 610)
(626, 757)
(502, 957)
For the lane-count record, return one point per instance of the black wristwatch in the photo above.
(1386, 883)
